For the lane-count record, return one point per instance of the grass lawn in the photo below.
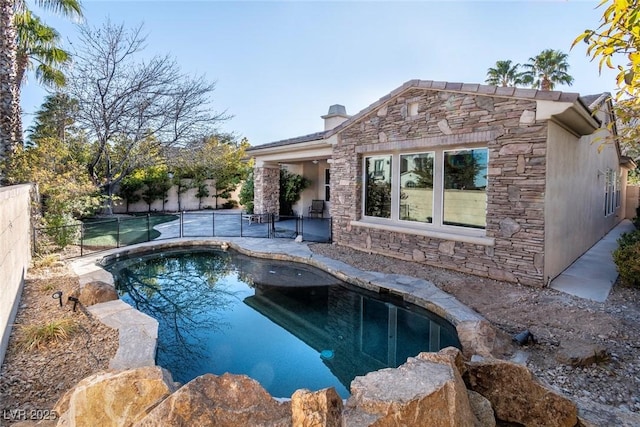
(104, 233)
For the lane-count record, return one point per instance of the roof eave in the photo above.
(296, 146)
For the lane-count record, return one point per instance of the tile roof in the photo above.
(296, 140)
(480, 89)
(593, 101)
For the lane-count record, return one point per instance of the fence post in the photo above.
(301, 221)
(213, 224)
(181, 222)
(272, 225)
(148, 229)
(241, 225)
(118, 233)
(81, 239)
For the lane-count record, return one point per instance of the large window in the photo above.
(465, 188)
(441, 188)
(378, 186)
(611, 192)
(416, 187)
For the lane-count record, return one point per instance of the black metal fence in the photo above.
(107, 233)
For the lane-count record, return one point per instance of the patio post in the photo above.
(266, 188)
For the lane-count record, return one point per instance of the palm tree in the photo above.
(9, 104)
(39, 43)
(547, 69)
(504, 74)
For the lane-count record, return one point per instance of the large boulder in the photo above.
(95, 293)
(114, 398)
(581, 353)
(418, 393)
(476, 337)
(518, 397)
(449, 355)
(322, 408)
(222, 401)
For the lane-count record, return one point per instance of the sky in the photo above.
(279, 65)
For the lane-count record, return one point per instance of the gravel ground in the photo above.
(34, 380)
(608, 392)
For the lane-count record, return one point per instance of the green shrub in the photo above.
(62, 229)
(291, 186)
(230, 204)
(627, 257)
(246, 194)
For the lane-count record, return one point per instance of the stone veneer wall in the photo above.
(516, 181)
(266, 190)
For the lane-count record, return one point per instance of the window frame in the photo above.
(442, 200)
(610, 192)
(437, 225)
(433, 189)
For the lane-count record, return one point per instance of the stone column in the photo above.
(266, 189)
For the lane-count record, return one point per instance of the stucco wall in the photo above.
(632, 201)
(315, 173)
(514, 239)
(15, 251)
(575, 195)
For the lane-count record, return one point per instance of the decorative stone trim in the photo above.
(438, 141)
(444, 235)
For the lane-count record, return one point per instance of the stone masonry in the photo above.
(516, 178)
(266, 190)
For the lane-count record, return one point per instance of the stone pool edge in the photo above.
(138, 332)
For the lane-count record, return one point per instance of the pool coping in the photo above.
(138, 332)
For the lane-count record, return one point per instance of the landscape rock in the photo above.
(95, 293)
(322, 408)
(114, 398)
(580, 353)
(517, 396)
(476, 337)
(418, 393)
(482, 409)
(448, 355)
(222, 401)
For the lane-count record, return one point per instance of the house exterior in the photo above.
(507, 183)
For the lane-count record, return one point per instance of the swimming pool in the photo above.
(287, 325)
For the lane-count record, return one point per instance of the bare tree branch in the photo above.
(126, 103)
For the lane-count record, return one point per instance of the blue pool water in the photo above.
(285, 324)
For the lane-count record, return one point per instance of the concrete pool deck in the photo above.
(138, 332)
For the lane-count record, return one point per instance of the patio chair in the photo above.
(316, 208)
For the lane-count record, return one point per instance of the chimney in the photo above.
(337, 114)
